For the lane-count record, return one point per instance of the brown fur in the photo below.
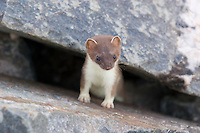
(118, 87)
(104, 49)
(82, 83)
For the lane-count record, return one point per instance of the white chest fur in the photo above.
(99, 78)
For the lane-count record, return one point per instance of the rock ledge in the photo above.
(33, 107)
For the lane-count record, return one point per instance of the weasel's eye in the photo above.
(98, 58)
(114, 57)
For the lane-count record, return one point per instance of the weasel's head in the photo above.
(104, 50)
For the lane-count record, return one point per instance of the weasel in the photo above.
(101, 74)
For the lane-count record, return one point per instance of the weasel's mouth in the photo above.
(106, 67)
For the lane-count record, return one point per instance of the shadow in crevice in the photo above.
(62, 68)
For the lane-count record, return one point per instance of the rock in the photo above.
(32, 107)
(181, 106)
(160, 38)
(15, 58)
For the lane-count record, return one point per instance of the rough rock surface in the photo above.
(32, 107)
(159, 37)
(15, 58)
(181, 106)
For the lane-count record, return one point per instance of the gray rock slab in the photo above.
(33, 107)
(160, 38)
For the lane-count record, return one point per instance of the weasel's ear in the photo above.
(116, 41)
(90, 43)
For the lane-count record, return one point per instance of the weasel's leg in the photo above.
(109, 96)
(84, 90)
(120, 92)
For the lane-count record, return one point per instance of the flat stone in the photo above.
(27, 106)
(160, 38)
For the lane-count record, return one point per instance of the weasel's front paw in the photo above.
(84, 98)
(107, 104)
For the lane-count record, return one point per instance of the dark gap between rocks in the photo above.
(61, 67)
